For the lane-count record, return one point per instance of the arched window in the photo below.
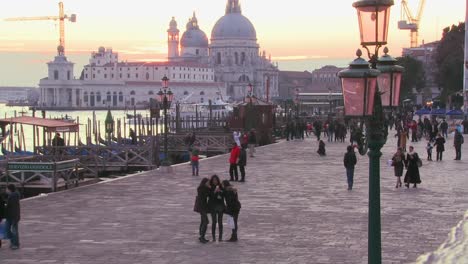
(132, 93)
(218, 58)
(120, 97)
(98, 96)
(85, 97)
(109, 97)
(56, 75)
(244, 78)
(186, 93)
(147, 76)
(236, 58)
(242, 58)
(202, 93)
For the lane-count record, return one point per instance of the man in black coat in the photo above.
(12, 216)
(350, 161)
(242, 162)
(458, 142)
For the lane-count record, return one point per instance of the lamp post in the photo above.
(165, 97)
(362, 98)
(297, 102)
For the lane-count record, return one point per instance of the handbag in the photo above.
(230, 222)
(2, 230)
(196, 207)
(419, 162)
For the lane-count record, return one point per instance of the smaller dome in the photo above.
(102, 50)
(194, 38)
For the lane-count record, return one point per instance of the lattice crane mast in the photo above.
(410, 22)
(61, 18)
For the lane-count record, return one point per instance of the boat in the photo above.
(217, 108)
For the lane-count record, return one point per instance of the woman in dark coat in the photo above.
(2, 213)
(233, 206)
(203, 192)
(216, 206)
(412, 174)
(398, 163)
(440, 146)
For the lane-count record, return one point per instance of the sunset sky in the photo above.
(294, 29)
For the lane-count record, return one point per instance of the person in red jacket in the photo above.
(233, 160)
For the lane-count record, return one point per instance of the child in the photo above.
(195, 162)
(429, 148)
(321, 151)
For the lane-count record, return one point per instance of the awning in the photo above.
(438, 112)
(455, 113)
(423, 111)
(50, 125)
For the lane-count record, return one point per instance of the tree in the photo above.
(414, 76)
(449, 61)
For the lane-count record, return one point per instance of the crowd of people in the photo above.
(217, 198)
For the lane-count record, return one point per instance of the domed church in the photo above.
(234, 53)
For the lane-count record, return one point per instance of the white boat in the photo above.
(219, 108)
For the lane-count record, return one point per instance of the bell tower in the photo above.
(173, 40)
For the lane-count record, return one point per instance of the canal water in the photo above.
(82, 116)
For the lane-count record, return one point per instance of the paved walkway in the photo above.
(296, 209)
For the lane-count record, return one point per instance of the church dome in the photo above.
(193, 36)
(233, 25)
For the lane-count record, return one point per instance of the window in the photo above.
(85, 97)
(105, 76)
(120, 97)
(86, 76)
(242, 58)
(136, 75)
(202, 93)
(132, 93)
(99, 71)
(147, 76)
(68, 75)
(218, 58)
(186, 93)
(128, 76)
(236, 58)
(150, 93)
(197, 51)
(109, 97)
(120, 76)
(56, 75)
(94, 76)
(173, 76)
(98, 96)
(112, 76)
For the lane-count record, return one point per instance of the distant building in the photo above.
(290, 81)
(425, 54)
(198, 70)
(18, 94)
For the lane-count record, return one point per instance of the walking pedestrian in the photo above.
(216, 207)
(12, 216)
(233, 207)
(457, 143)
(350, 161)
(242, 161)
(440, 146)
(444, 128)
(2, 217)
(233, 161)
(398, 163)
(252, 142)
(412, 163)
(195, 160)
(203, 193)
(429, 148)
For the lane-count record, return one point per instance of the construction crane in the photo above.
(410, 22)
(61, 17)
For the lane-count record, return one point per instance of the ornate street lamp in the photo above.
(165, 97)
(362, 98)
(297, 102)
(389, 80)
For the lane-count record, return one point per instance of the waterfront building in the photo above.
(199, 70)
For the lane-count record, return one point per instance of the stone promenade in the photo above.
(296, 209)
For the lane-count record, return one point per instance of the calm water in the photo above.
(82, 116)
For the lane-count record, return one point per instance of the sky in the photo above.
(288, 30)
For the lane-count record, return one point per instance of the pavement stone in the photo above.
(295, 209)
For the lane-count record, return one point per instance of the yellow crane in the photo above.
(410, 22)
(61, 18)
